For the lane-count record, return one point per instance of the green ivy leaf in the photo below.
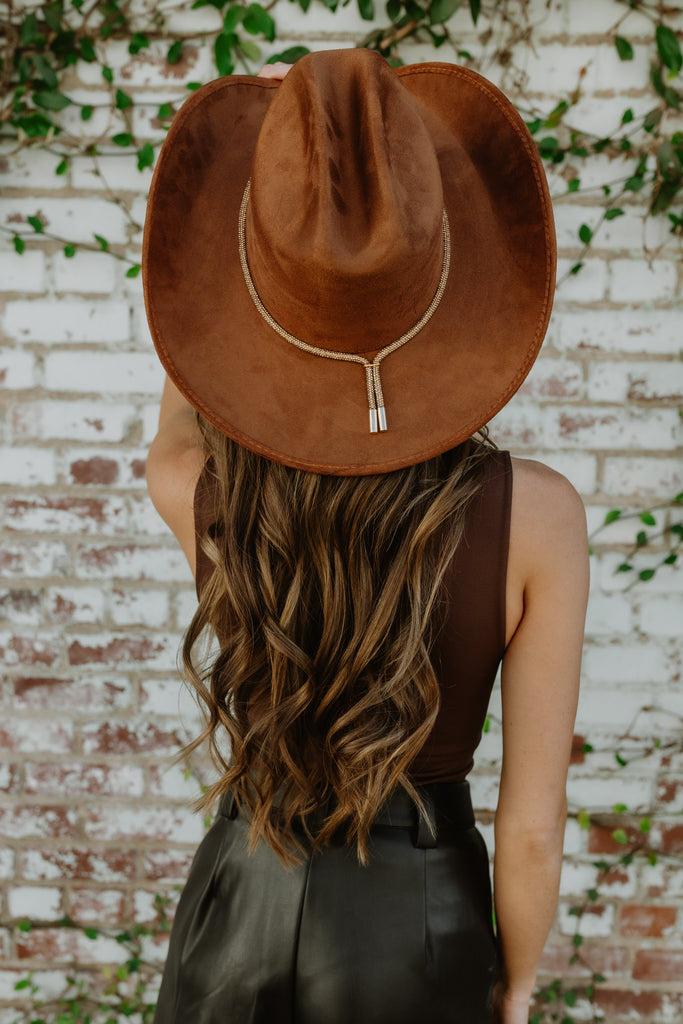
(45, 71)
(613, 514)
(624, 48)
(19, 244)
(646, 574)
(593, 895)
(620, 808)
(123, 100)
(487, 725)
(619, 759)
(69, 250)
(645, 825)
(627, 116)
(570, 997)
(613, 213)
(133, 271)
(475, 8)
(51, 100)
(624, 567)
(585, 234)
(29, 34)
(88, 49)
(122, 139)
(175, 52)
(534, 125)
(669, 162)
(145, 156)
(24, 926)
(107, 74)
(289, 56)
(620, 837)
(165, 111)
(671, 559)
(652, 858)
(36, 224)
(193, 86)
(234, 16)
(583, 820)
(669, 48)
(258, 20)
(577, 940)
(442, 10)
(250, 50)
(102, 242)
(648, 519)
(223, 53)
(86, 112)
(574, 185)
(393, 9)
(366, 9)
(62, 166)
(138, 42)
(633, 184)
(576, 268)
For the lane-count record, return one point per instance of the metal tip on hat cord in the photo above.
(378, 418)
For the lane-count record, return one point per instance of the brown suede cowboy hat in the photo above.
(302, 237)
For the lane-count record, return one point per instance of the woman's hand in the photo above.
(509, 1008)
(278, 70)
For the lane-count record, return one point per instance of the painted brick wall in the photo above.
(95, 593)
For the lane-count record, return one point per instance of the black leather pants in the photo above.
(405, 940)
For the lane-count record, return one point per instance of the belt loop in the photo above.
(426, 837)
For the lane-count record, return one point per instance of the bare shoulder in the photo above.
(548, 519)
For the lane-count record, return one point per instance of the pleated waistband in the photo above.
(447, 807)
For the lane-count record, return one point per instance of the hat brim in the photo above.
(308, 412)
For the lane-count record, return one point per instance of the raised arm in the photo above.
(174, 462)
(540, 682)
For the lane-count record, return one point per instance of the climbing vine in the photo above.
(44, 50)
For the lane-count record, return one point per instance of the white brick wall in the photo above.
(96, 593)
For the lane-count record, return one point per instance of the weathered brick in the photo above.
(128, 738)
(75, 604)
(553, 378)
(662, 616)
(136, 651)
(634, 1004)
(21, 606)
(85, 273)
(105, 372)
(29, 650)
(38, 903)
(94, 694)
(639, 281)
(132, 562)
(10, 779)
(643, 475)
(167, 865)
(651, 332)
(643, 921)
(589, 284)
(659, 382)
(75, 220)
(29, 821)
(148, 607)
(26, 466)
(64, 945)
(153, 822)
(66, 778)
(96, 906)
(66, 514)
(67, 321)
(62, 863)
(31, 735)
(597, 921)
(25, 273)
(17, 368)
(614, 427)
(82, 420)
(658, 965)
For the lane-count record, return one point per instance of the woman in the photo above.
(365, 568)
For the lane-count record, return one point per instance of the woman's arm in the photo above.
(540, 681)
(174, 462)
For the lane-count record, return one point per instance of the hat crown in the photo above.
(344, 222)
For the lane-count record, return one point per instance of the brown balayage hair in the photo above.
(322, 597)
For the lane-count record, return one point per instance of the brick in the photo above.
(29, 735)
(553, 378)
(66, 514)
(38, 903)
(598, 793)
(628, 1005)
(596, 922)
(128, 738)
(517, 426)
(132, 562)
(670, 839)
(136, 651)
(67, 320)
(632, 331)
(17, 368)
(580, 468)
(70, 778)
(608, 614)
(26, 466)
(669, 795)
(621, 662)
(74, 220)
(144, 518)
(29, 650)
(50, 984)
(33, 821)
(25, 273)
(121, 169)
(621, 531)
(150, 822)
(584, 18)
(166, 865)
(642, 921)
(123, 467)
(662, 616)
(658, 965)
(612, 961)
(652, 382)
(640, 281)
(150, 67)
(20, 606)
(7, 868)
(588, 285)
(97, 906)
(78, 863)
(75, 604)
(64, 945)
(170, 781)
(85, 273)
(30, 168)
(644, 476)
(103, 372)
(93, 695)
(167, 697)
(10, 779)
(148, 607)
(614, 427)
(184, 607)
(577, 878)
(71, 421)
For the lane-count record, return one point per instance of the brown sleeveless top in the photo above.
(469, 641)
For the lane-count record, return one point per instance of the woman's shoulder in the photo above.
(548, 518)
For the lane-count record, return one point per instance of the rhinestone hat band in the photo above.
(378, 419)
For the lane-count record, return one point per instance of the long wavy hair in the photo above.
(322, 595)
